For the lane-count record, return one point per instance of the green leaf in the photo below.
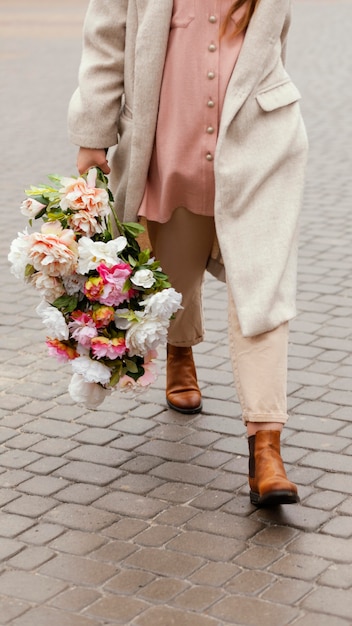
(131, 366)
(66, 304)
(29, 270)
(133, 228)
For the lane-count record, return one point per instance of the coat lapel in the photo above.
(154, 18)
(263, 32)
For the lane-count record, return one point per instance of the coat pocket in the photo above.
(278, 96)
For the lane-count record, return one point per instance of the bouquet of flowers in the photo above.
(106, 303)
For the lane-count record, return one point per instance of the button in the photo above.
(211, 75)
(209, 157)
(212, 47)
(212, 19)
(210, 130)
(211, 103)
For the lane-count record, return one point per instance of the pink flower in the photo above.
(54, 250)
(80, 194)
(110, 348)
(82, 328)
(103, 315)
(62, 350)
(93, 288)
(114, 279)
(84, 223)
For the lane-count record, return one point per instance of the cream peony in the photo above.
(93, 253)
(90, 395)
(49, 287)
(53, 320)
(145, 335)
(18, 255)
(54, 250)
(80, 194)
(92, 371)
(163, 304)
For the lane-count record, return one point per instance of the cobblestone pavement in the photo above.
(133, 514)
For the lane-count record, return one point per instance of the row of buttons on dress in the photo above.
(211, 75)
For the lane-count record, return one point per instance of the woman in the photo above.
(209, 148)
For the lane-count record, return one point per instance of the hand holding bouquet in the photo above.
(106, 303)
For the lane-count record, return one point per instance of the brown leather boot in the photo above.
(182, 391)
(269, 485)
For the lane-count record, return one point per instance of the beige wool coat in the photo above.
(261, 150)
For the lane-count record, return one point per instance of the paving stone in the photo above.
(31, 506)
(96, 436)
(175, 492)
(81, 471)
(78, 570)
(209, 546)
(102, 455)
(9, 547)
(12, 525)
(42, 485)
(287, 591)
(25, 586)
(80, 493)
(186, 473)
(198, 598)
(164, 562)
(80, 517)
(221, 523)
(17, 459)
(43, 616)
(11, 608)
(136, 483)
(329, 601)
(31, 558)
(125, 528)
(248, 609)
(297, 516)
(129, 582)
(250, 582)
(300, 566)
(167, 616)
(54, 446)
(130, 504)
(120, 610)
(7, 495)
(162, 589)
(156, 536)
(77, 542)
(42, 533)
(75, 600)
(317, 619)
(339, 527)
(173, 451)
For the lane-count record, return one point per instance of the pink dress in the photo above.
(197, 70)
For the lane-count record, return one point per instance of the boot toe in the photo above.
(187, 402)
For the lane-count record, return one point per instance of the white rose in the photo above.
(143, 278)
(145, 335)
(91, 371)
(53, 320)
(90, 395)
(18, 255)
(163, 304)
(92, 253)
(31, 207)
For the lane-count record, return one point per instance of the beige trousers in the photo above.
(183, 246)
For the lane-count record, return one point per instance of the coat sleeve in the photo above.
(284, 34)
(94, 107)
